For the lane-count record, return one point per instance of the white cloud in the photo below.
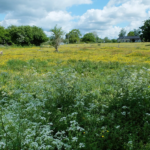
(6, 22)
(48, 5)
(106, 20)
(48, 13)
(61, 18)
(42, 13)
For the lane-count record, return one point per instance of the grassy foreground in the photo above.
(88, 97)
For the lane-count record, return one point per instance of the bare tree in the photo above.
(56, 38)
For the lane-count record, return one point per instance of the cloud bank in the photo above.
(47, 13)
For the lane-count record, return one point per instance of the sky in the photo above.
(106, 18)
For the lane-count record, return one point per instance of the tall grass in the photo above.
(53, 104)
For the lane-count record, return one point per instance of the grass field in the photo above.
(87, 96)
(122, 52)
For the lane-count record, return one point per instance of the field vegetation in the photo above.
(86, 96)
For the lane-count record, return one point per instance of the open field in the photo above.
(87, 96)
(122, 52)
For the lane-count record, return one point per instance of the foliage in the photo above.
(137, 32)
(114, 41)
(99, 40)
(38, 36)
(96, 36)
(89, 37)
(82, 105)
(4, 36)
(122, 33)
(56, 38)
(22, 35)
(145, 31)
(74, 36)
(131, 33)
(81, 98)
(107, 40)
(66, 41)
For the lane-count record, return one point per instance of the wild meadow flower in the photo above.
(81, 145)
(124, 107)
(74, 139)
(117, 127)
(123, 113)
(147, 114)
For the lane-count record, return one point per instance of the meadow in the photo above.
(87, 96)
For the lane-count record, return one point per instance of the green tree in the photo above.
(145, 31)
(137, 32)
(4, 36)
(89, 37)
(114, 41)
(99, 40)
(74, 36)
(13, 32)
(57, 37)
(107, 40)
(131, 33)
(122, 33)
(27, 35)
(38, 36)
(96, 36)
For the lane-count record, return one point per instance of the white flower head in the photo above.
(147, 114)
(81, 145)
(124, 107)
(118, 127)
(74, 139)
(123, 113)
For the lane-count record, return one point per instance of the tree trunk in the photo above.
(56, 50)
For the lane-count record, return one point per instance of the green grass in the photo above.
(77, 105)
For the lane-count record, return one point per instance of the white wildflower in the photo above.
(103, 128)
(130, 142)
(49, 113)
(105, 106)
(2, 145)
(147, 114)
(81, 145)
(124, 107)
(117, 127)
(63, 119)
(74, 139)
(123, 113)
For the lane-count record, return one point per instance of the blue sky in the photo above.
(81, 9)
(2, 16)
(106, 18)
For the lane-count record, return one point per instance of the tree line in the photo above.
(75, 36)
(135, 32)
(143, 32)
(32, 35)
(22, 35)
